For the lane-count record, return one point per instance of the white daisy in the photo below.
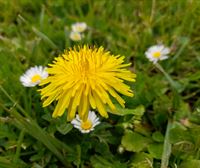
(88, 125)
(75, 36)
(33, 76)
(79, 27)
(157, 52)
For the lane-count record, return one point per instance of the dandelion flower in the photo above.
(75, 36)
(86, 78)
(87, 125)
(157, 52)
(33, 76)
(79, 27)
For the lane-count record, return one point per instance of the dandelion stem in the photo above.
(167, 147)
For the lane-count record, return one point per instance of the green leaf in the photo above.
(190, 163)
(158, 137)
(99, 162)
(156, 150)
(176, 85)
(183, 111)
(77, 161)
(6, 163)
(47, 117)
(35, 165)
(64, 128)
(141, 160)
(103, 148)
(179, 133)
(134, 142)
(139, 111)
(37, 156)
(45, 38)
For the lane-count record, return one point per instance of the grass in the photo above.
(34, 32)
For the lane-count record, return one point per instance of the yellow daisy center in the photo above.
(156, 54)
(35, 78)
(86, 125)
(76, 37)
(80, 28)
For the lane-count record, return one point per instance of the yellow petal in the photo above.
(100, 106)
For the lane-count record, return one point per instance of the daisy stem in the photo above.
(174, 84)
(167, 147)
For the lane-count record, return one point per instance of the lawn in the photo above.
(157, 127)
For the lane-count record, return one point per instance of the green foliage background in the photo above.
(160, 125)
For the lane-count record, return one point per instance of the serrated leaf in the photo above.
(47, 117)
(134, 142)
(64, 128)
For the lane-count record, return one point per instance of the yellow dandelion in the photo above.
(86, 78)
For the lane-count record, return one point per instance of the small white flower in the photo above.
(88, 125)
(33, 76)
(75, 36)
(157, 52)
(79, 27)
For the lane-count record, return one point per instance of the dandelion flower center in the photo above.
(86, 125)
(157, 54)
(86, 78)
(35, 78)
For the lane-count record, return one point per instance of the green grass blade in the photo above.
(167, 148)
